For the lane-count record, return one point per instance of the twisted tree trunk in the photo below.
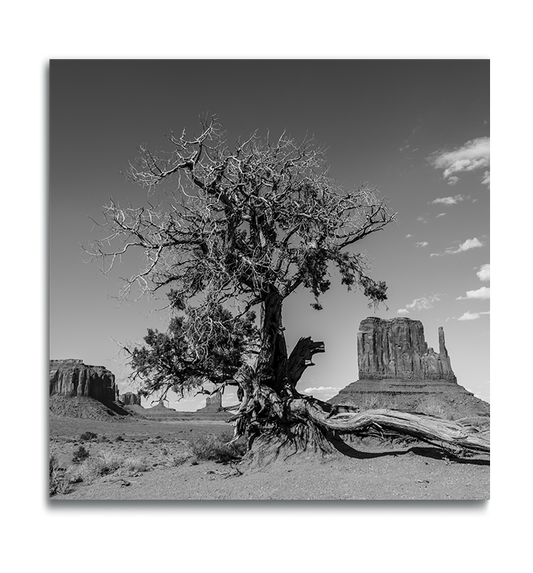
(271, 368)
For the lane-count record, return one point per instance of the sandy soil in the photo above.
(378, 473)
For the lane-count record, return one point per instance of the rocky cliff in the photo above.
(397, 349)
(398, 370)
(74, 378)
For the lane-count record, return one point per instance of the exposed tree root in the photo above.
(448, 435)
(309, 425)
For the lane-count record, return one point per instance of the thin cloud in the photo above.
(408, 236)
(422, 303)
(483, 273)
(319, 389)
(473, 155)
(440, 215)
(472, 315)
(324, 391)
(466, 246)
(421, 219)
(450, 200)
(482, 293)
(422, 244)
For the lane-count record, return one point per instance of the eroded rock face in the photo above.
(74, 378)
(396, 348)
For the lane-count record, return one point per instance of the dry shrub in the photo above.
(209, 447)
(434, 407)
(104, 463)
(58, 481)
(132, 466)
(79, 455)
(178, 458)
(377, 403)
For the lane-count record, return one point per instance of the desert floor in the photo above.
(160, 469)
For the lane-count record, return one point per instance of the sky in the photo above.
(417, 129)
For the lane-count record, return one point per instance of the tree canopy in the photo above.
(238, 222)
(196, 351)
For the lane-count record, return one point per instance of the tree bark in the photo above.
(271, 370)
(301, 358)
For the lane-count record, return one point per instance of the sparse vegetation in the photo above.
(88, 436)
(80, 454)
(103, 464)
(134, 465)
(434, 407)
(377, 402)
(58, 483)
(216, 448)
(178, 458)
(87, 468)
(107, 462)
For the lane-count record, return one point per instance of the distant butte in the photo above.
(213, 404)
(72, 378)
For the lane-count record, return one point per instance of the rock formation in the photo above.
(397, 349)
(397, 369)
(130, 399)
(160, 408)
(213, 403)
(74, 378)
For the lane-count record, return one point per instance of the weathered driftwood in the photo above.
(447, 434)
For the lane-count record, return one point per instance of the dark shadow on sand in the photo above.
(428, 451)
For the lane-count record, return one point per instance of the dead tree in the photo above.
(247, 226)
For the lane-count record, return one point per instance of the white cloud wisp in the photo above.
(483, 273)
(473, 155)
(482, 293)
(423, 303)
(466, 246)
(472, 315)
(450, 200)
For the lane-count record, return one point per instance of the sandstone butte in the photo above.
(213, 404)
(397, 369)
(73, 378)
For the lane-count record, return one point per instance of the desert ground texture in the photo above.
(140, 459)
